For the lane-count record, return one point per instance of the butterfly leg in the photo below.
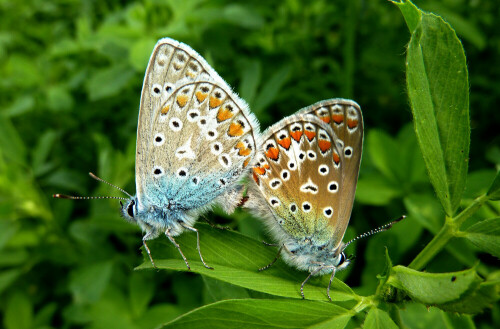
(215, 225)
(148, 251)
(313, 273)
(274, 260)
(198, 244)
(330, 284)
(167, 233)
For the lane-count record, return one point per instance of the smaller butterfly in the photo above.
(304, 182)
(195, 140)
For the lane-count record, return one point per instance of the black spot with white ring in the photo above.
(328, 212)
(292, 165)
(158, 171)
(348, 152)
(175, 124)
(182, 173)
(333, 187)
(293, 208)
(306, 207)
(311, 155)
(159, 139)
(285, 175)
(216, 148)
(323, 170)
(168, 87)
(275, 202)
(275, 183)
(156, 90)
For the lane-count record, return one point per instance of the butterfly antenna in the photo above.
(63, 196)
(374, 231)
(103, 181)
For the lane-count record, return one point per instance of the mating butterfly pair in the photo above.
(196, 139)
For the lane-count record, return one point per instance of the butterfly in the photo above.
(304, 181)
(195, 140)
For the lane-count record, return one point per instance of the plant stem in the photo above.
(449, 230)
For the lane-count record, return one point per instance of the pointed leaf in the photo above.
(486, 235)
(438, 89)
(236, 259)
(262, 313)
(494, 190)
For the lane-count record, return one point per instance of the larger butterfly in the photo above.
(304, 183)
(195, 140)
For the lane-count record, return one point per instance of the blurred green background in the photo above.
(71, 75)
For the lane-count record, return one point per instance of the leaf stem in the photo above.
(449, 230)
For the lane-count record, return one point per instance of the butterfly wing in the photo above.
(298, 175)
(170, 62)
(195, 135)
(345, 118)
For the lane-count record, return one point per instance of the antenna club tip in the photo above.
(60, 196)
(400, 218)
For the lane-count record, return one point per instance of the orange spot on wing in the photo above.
(245, 164)
(338, 118)
(259, 170)
(336, 158)
(352, 123)
(200, 96)
(244, 151)
(182, 100)
(310, 134)
(272, 153)
(285, 142)
(325, 119)
(214, 102)
(255, 178)
(165, 109)
(324, 145)
(266, 166)
(235, 129)
(296, 135)
(224, 114)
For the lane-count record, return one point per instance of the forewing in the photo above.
(170, 62)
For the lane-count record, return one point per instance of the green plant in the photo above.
(71, 79)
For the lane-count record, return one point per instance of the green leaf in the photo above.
(109, 81)
(142, 290)
(485, 235)
(270, 89)
(19, 312)
(434, 288)
(438, 89)
(7, 277)
(217, 290)
(410, 12)
(373, 189)
(486, 295)
(255, 313)
(88, 283)
(236, 259)
(494, 190)
(377, 318)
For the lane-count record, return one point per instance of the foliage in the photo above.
(69, 94)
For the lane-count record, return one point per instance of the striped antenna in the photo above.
(62, 196)
(374, 231)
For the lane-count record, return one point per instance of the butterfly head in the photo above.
(129, 210)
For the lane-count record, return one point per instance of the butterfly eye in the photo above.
(333, 187)
(348, 152)
(130, 209)
(323, 170)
